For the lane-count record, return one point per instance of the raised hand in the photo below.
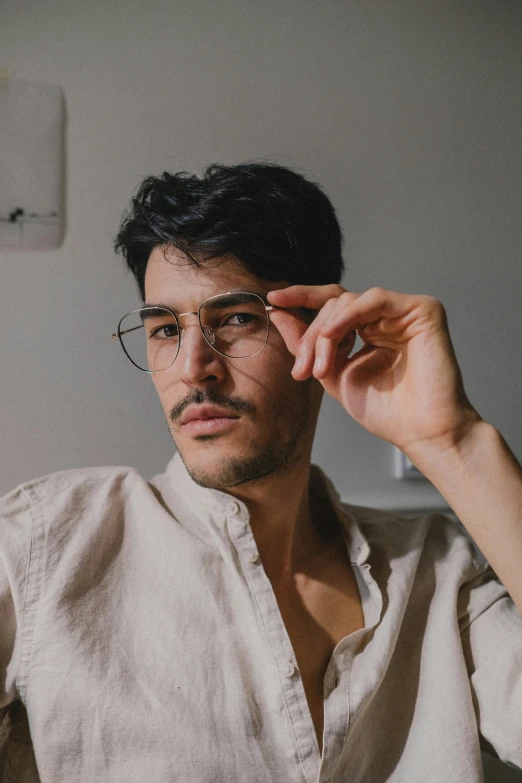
(404, 385)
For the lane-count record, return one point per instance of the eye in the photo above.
(239, 319)
(168, 327)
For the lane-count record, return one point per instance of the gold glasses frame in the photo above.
(118, 334)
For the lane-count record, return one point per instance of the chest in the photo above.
(319, 611)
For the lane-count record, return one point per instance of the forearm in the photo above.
(482, 481)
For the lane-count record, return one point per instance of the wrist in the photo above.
(454, 450)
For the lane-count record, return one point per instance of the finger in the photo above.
(368, 308)
(313, 297)
(305, 354)
(290, 327)
(325, 353)
(331, 355)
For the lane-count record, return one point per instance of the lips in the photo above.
(203, 413)
(207, 420)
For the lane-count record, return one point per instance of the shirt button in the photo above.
(233, 508)
(288, 669)
(253, 557)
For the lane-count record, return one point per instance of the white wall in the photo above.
(409, 115)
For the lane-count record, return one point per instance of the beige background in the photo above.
(408, 113)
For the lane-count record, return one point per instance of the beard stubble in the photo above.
(288, 425)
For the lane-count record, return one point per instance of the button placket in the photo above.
(237, 522)
(289, 669)
(293, 692)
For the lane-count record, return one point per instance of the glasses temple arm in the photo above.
(128, 330)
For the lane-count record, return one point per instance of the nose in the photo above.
(197, 361)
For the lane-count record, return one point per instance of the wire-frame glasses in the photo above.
(236, 324)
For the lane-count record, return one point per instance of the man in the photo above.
(230, 619)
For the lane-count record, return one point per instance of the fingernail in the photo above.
(298, 364)
(319, 363)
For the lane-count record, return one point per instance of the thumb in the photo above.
(290, 327)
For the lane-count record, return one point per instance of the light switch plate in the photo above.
(404, 468)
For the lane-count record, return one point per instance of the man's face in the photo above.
(274, 416)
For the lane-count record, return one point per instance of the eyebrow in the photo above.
(153, 312)
(234, 298)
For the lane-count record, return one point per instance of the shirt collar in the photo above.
(183, 495)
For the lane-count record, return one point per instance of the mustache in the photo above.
(211, 397)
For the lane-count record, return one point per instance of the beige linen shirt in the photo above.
(141, 642)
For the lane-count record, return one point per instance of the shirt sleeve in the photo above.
(15, 543)
(7, 641)
(17, 758)
(491, 634)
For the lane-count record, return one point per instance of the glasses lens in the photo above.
(236, 325)
(150, 338)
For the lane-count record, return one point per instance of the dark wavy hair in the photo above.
(277, 224)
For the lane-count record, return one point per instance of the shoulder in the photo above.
(433, 535)
(434, 553)
(75, 482)
(49, 512)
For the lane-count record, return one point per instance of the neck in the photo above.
(282, 508)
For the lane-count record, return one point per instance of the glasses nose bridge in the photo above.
(190, 312)
(182, 329)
